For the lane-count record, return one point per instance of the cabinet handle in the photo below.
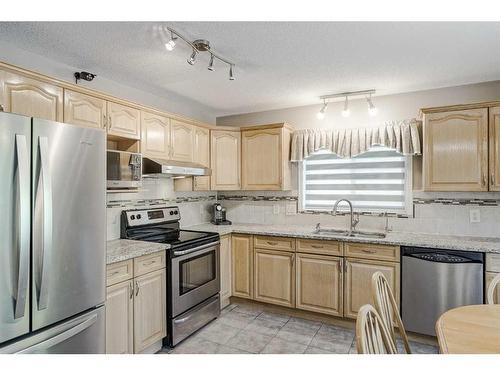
(1, 108)
(131, 290)
(492, 179)
(104, 121)
(271, 243)
(292, 260)
(484, 180)
(149, 263)
(109, 122)
(136, 288)
(368, 251)
(345, 265)
(317, 246)
(114, 273)
(341, 265)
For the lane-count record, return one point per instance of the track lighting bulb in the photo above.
(192, 58)
(231, 76)
(346, 112)
(321, 114)
(211, 63)
(170, 45)
(372, 110)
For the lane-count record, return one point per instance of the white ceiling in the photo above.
(278, 65)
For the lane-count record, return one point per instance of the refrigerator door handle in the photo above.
(23, 230)
(43, 244)
(57, 339)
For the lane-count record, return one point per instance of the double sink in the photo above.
(347, 233)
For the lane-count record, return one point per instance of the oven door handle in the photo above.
(195, 249)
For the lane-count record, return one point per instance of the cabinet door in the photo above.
(123, 121)
(182, 138)
(201, 183)
(319, 284)
(358, 279)
(494, 125)
(456, 151)
(242, 266)
(496, 295)
(274, 277)
(226, 156)
(225, 270)
(202, 146)
(155, 140)
(150, 310)
(120, 318)
(84, 110)
(30, 97)
(262, 163)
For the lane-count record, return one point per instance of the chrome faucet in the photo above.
(354, 217)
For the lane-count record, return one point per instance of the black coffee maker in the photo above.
(219, 215)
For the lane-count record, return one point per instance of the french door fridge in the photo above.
(52, 237)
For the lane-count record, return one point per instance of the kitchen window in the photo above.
(376, 181)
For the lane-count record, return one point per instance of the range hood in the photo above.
(152, 167)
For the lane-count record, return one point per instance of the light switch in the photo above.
(475, 215)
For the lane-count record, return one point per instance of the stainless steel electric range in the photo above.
(193, 281)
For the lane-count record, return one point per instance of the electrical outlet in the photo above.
(291, 209)
(475, 215)
(276, 209)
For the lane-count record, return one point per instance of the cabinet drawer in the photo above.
(319, 247)
(118, 272)
(371, 251)
(493, 262)
(274, 243)
(149, 263)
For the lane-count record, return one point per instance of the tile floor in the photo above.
(247, 329)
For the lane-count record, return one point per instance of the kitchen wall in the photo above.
(144, 95)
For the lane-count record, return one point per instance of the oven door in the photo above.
(195, 276)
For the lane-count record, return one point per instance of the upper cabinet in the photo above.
(494, 127)
(225, 148)
(265, 163)
(123, 121)
(155, 140)
(182, 138)
(84, 110)
(30, 97)
(455, 156)
(202, 146)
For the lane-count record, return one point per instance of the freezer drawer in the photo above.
(84, 334)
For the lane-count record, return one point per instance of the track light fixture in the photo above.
(198, 45)
(321, 114)
(372, 110)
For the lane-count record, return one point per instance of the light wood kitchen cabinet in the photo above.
(225, 149)
(120, 318)
(149, 309)
(494, 148)
(357, 282)
(455, 154)
(155, 140)
(265, 158)
(182, 138)
(123, 121)
(274, 277)
(320, 284)
(225, 270)
(489, 276)
(242, 266)
(84, 110)
(201, 156)
(30, 97)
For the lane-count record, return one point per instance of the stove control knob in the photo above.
(132, 217)
(176, 212)
(138, 216)
(171, 212)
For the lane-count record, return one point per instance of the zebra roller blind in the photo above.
(373, 181)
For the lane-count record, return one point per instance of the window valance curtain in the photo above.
(402, 136)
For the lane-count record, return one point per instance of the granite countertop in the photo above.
(480, 244)
(120, 250)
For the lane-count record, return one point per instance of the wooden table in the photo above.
(469, 330)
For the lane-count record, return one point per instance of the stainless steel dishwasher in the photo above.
(434, 281)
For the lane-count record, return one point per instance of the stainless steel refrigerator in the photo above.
(52, 237)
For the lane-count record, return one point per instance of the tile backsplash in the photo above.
(437, 213)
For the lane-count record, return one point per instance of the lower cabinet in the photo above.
(357, 282)
(225, 270)
(242, 265)
(120, 318)
(274, 277)
(150, 310)
(496, 295)
(319, 284)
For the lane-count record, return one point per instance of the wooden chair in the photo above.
(491, 290)
(387, 308)
(372, 336)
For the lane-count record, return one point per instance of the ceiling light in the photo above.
(211, 63)
(372, 110)
(231, 76)
(321, 114)
(192, 58)
(346, 112)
